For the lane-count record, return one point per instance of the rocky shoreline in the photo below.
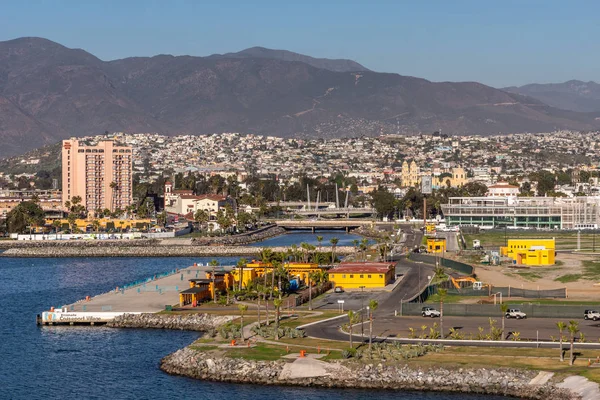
(240, 239)
(346, 374)
(184, 322)
(147, 251)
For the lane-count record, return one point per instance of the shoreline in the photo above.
(197, 364)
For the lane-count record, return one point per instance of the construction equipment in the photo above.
(477, 285)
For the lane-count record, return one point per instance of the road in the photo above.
(451, 240)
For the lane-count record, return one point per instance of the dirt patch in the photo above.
(541, 278)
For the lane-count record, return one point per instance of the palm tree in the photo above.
(561, 327)
(213, 263)
(503, 309)
(352, 319)
(364, 245)
(355, 243)
(201, 217)
(373, 304)
(113, 186)
(259, 290)
(320, 241)
(334, 241)
(275, 265)
(573, 329)
(442, 293)
(241, 264)
(243, 308)
(313, 276)
(277, 304)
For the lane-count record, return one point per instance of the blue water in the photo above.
(297, 237)
(104, 363)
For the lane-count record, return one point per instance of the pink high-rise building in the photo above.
(100, 174)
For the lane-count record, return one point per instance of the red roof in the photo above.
(500, 185)
(214, 197)
(358, 267)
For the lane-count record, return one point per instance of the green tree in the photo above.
(474, 189)
(442, 293)
(277, 303)
(201, 217)
(383, 201)
(545, 181)
(241, 264)
(25, 214)
(243, 308)
(373, 304)
(561, 327)
(353, 318)
(573, 329)
(503, 309)
(334, 241)
(320, 241)
(162, 218)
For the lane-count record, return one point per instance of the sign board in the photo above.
(340, 301)
(426, 184)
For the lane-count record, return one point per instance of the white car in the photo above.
(515, 313)
(430, 312)
(591, 314)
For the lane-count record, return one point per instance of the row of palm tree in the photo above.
(354, 318)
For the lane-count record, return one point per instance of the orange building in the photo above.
(100, 174)
(202, 289)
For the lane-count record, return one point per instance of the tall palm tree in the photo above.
(313, 276)
(113, 185)
(442, 293)
(274, 265)
(277, 304)
(259, 290)
(334, 241)
(561, 327)
(241, 264)
(213, 263)
(573, 329)
(243, 308)
(353, 318)
(503, 309)
(320, 241)
(373, 304)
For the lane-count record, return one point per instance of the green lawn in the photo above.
(260, 352)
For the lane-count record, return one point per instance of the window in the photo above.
(343, 276)
(368, 276)
(351, 276)
(362, 276)
(380, 276)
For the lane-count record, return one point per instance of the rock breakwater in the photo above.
(163, 250)
(241, 239)
(185, 322)
(508, 382)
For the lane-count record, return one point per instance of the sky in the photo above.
(498, 43)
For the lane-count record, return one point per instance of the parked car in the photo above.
(515, 313)
(338, 289)
(430, 312)
(591, 314)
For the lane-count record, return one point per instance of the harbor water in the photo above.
(63, 362)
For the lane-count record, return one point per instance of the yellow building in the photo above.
(436, 245)
(116, 224)
(202, 289)
(257, 269)
(368, 274)
(530, 251)
(411, 174)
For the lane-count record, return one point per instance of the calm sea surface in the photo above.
(102, 363)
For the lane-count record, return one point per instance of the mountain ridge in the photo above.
(49, 92)
(574, 95)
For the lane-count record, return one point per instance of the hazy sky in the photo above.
(498, 43)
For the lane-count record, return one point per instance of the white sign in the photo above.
(426, 184)
(340, 301)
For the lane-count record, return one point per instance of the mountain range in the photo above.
(571, 95)
(49, 92)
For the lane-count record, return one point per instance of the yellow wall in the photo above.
(436, 245)
(520, 251)
(257, 269)
(356, 280)
(83, 223)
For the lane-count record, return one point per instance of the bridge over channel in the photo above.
(325, 224)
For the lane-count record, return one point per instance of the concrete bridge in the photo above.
(346, 224)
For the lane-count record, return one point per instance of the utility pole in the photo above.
(424, 213)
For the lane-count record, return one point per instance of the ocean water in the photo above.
(297, 237)
(103, 363)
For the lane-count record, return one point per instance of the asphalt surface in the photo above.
(388, 326)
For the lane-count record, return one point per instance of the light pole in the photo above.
(362, 306)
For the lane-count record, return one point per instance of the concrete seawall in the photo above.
(347, 374)
(148, 251)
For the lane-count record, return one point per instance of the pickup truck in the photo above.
(591, 314)
(515, 313)
(430, 312)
